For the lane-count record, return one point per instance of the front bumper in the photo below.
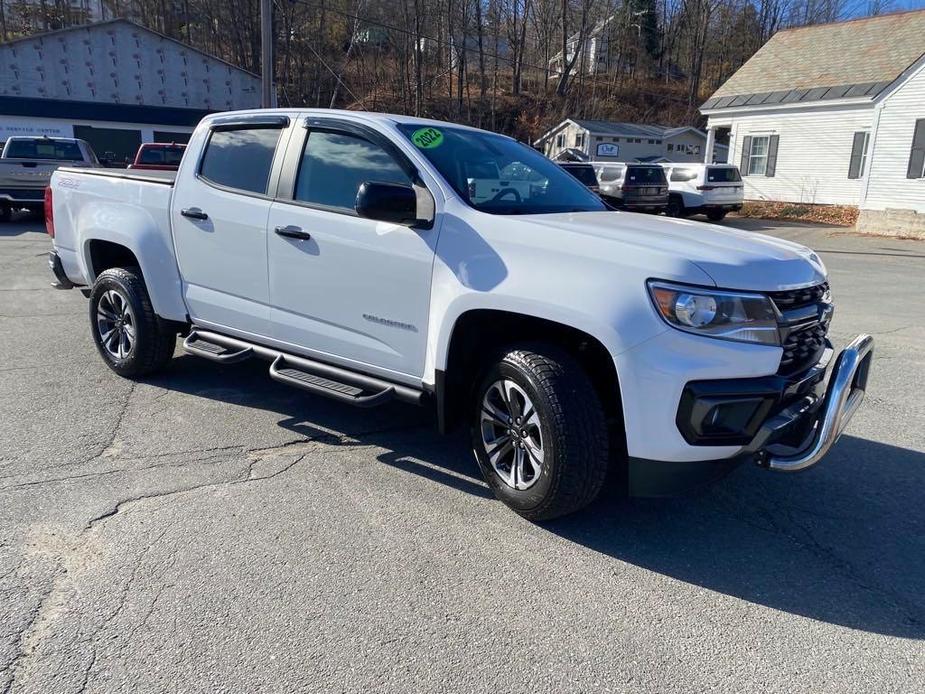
(844, 394)
(788, 431)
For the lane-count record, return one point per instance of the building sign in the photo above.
(608, 149)
(13, 128)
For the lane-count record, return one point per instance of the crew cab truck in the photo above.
(571, 340)
(26, 165)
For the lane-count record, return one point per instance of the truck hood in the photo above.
(734, 259)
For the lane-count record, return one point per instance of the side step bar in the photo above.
(194, 344)
(313, 376)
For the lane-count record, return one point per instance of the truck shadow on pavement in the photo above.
(843, 543)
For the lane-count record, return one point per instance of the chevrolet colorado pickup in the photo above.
(575, 343)
(26, 165)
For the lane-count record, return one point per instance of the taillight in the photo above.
(49, 213)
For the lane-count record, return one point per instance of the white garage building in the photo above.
(115, 84)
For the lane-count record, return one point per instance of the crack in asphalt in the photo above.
(810, 543)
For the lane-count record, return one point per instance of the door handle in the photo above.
(293, 232)
(194, 213)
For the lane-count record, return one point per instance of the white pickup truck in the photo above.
(570, 339)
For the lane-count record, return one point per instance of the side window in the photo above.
(334, 165)
(240, 158)
(683, 174)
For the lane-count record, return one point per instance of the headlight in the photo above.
(738, 316)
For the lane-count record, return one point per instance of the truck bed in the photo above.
(165, 178)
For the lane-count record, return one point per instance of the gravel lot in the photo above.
(210, 530)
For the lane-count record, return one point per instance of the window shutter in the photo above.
(746, 153)
(917, 155)
(857, 151)
(772, 156)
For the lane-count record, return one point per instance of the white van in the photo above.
(713, 190)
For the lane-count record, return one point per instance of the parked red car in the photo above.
(159, 156)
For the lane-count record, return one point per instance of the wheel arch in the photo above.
(479, 334)
(144, 248)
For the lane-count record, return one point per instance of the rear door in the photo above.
(722, 185)
(344, 288)
(219, 219)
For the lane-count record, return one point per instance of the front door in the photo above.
(219, 221)
(342, 287)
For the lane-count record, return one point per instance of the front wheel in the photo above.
(132, 339)
(539, 433)
(716, 215)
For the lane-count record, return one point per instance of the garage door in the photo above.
(111, 143)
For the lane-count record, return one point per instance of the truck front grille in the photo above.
(803, 348)
(806, 314)
(798, 298)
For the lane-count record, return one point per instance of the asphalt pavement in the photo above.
(210, 530)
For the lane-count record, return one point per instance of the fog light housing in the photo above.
(708, 418)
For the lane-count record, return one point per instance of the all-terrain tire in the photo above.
(716, 215)
(154, 339)
(574, 432)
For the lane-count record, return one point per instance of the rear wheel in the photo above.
(132, 339)
(676, 207)
(539, 433)
(716, 215)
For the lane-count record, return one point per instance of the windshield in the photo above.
(585, 174)
(642, 175)
(43, 149)
(724, 174)
(498, 175)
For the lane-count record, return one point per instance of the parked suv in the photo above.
(710, 189)
(584, 173)
(349, 251)
(641, 187)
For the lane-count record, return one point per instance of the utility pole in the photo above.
(266, 53)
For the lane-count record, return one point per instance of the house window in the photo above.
(916, 168)
(580, 140)
(615, 139)
(670, 147)
(857, 164)
(758, 156)
(560, 141)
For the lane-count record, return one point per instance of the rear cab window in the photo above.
(44, 149)
(585, 174)
(240, 158)
(161, 155)
(723, 174)
(645, 175)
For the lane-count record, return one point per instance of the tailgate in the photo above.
(26, 174)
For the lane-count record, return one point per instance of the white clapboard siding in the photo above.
(813, 153)
(888, 187)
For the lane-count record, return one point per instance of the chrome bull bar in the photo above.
(843, 396)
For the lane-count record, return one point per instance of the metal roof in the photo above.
(857, 58)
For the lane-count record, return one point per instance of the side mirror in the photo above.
(387, 202)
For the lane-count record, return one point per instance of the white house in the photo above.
(833, 114)
(600, 140)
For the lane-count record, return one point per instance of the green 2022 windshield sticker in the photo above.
(427, 138)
